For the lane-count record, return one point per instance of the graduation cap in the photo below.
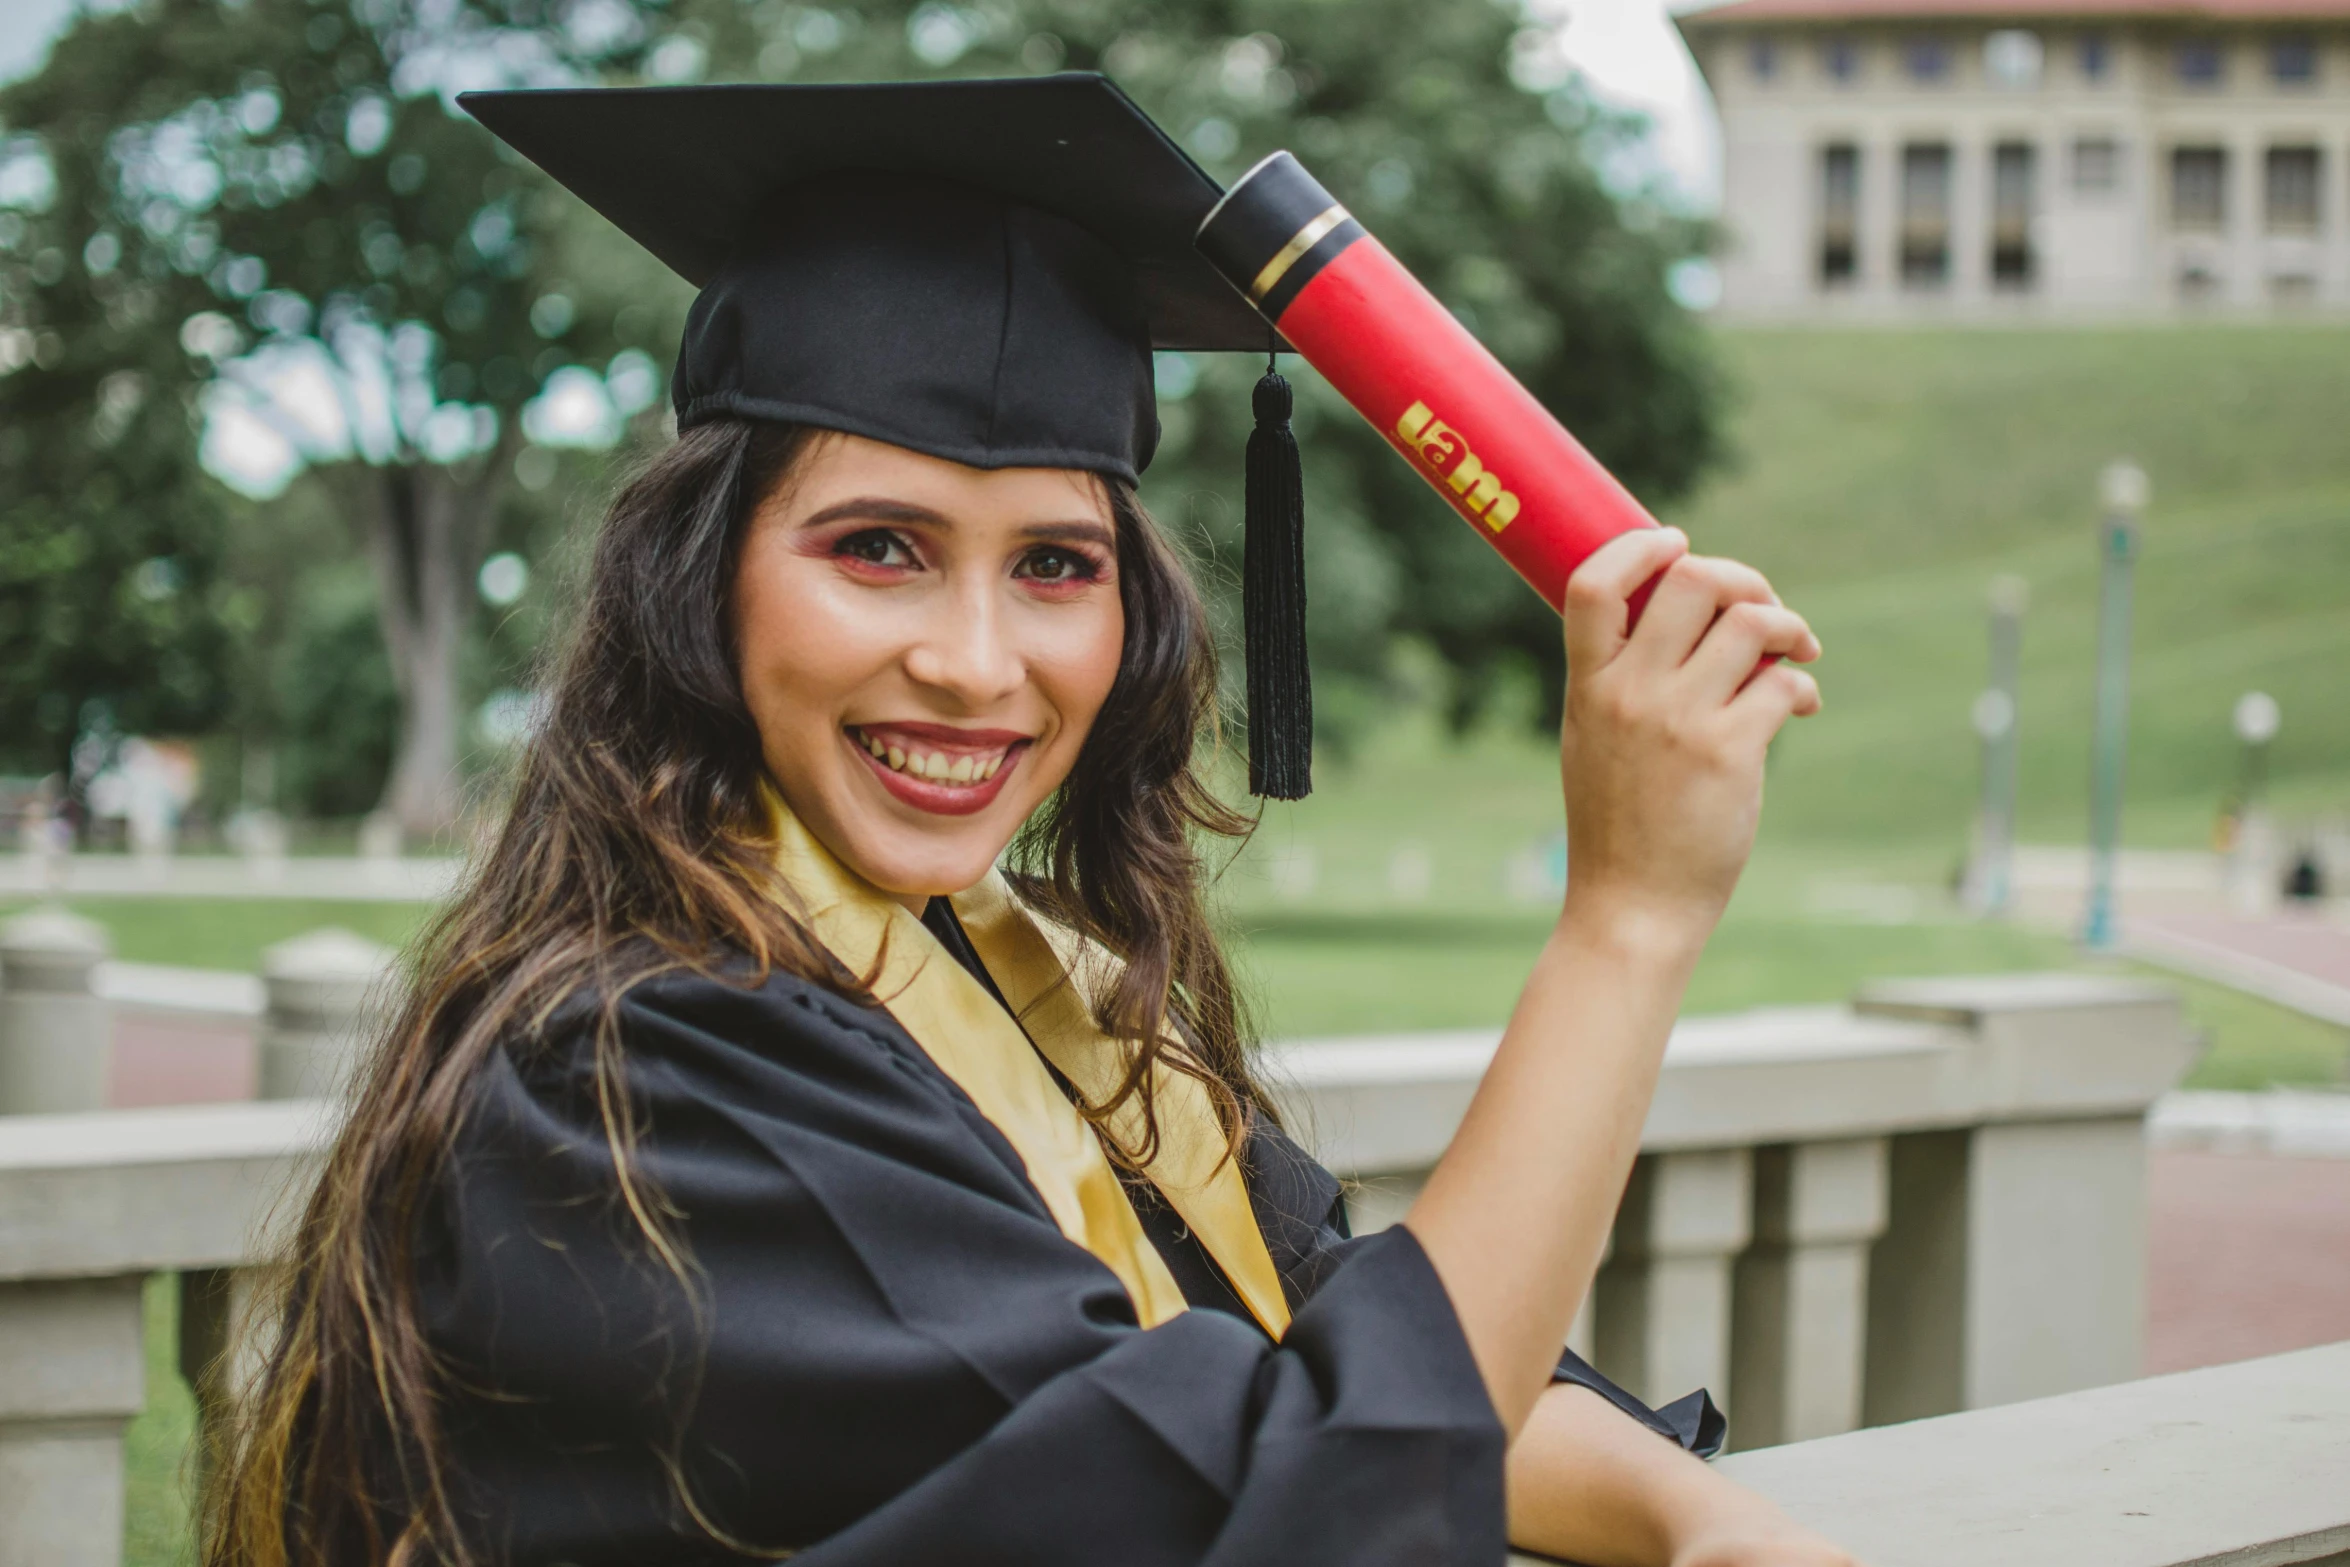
(978, 270)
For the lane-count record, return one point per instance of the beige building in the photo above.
(2031, 159)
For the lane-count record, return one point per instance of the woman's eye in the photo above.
(1058, 565)
(876, 547)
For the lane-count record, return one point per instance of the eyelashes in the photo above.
(883, 547)
(1048, 566)
(1056, 564)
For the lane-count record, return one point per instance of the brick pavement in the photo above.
(2247, 1255)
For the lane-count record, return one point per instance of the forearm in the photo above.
(1517, 1212)
(1588, 1485)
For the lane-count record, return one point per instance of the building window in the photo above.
(2198, 187)
(1762, 57)
(1840, 58)
(1925, 57)
(1839, 214)
(2198, 62)
(2291, 190)
(2097, 166)
(2096, 57)
(2012, 58)
(1925, 213)
(2292, 60)
(2014, 170)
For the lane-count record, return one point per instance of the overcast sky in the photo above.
(1625, 47)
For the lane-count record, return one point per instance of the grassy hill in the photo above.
(1883, 479)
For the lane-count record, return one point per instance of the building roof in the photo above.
(2011, 10)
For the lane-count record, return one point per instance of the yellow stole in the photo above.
(1039, 967)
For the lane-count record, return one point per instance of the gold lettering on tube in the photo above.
(1437, 445)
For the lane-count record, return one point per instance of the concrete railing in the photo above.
(1929, 1201)
(2246, 1465)
(289, 1028)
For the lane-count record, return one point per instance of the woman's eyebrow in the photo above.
(874, 508)
(1092, 533)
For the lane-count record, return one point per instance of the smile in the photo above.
(938, 768)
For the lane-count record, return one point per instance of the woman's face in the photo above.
(924, 647)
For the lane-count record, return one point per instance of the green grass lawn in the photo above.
(231, 933)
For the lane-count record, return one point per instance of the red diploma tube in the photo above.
(1471, 430)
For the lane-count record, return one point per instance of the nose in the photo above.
(966, 650)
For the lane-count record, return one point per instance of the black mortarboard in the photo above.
(978, 270)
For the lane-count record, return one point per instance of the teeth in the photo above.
(937, 768)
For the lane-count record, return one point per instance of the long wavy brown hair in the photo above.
(635, 843)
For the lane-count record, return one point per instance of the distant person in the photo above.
(2305, 882)
(755, 1169)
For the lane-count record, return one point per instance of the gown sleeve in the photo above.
(888, 1353)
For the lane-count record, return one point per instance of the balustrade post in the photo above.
(1663, 1300)
(2013, 1264)
(72, 1374)
(319, 987)
(55, 1031)
(220, 1348)
(1800, 1316)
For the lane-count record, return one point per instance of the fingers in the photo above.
(1772, 697)
(1599, 617)
(1692, 594)
(1742, 637)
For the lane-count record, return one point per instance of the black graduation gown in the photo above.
(891, 1354)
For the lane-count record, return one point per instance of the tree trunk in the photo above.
(426, 529)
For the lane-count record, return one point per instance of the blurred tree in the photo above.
(362, 280)
(371, 288)
(113, 618)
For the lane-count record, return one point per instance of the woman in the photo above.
(757, 1171)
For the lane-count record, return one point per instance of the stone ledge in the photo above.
(2241, 1465)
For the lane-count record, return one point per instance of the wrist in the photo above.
(1712, 1516)
(1639, 933)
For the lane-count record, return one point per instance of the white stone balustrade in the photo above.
(52, 1028)
(91, 1204)
(1802, 1294)
(1929, 1201)
(2232, 1466)
(319, 987)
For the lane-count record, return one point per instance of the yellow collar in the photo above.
(972, 1039)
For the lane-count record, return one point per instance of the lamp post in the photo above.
(1995, 714)
(2252, 869)
(2122, 488)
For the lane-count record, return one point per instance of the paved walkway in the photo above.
(2247, 1255)
(2298, 958)
(357, 879)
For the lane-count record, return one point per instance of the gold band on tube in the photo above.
(1302, 241)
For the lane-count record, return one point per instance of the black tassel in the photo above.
(1273, 605)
